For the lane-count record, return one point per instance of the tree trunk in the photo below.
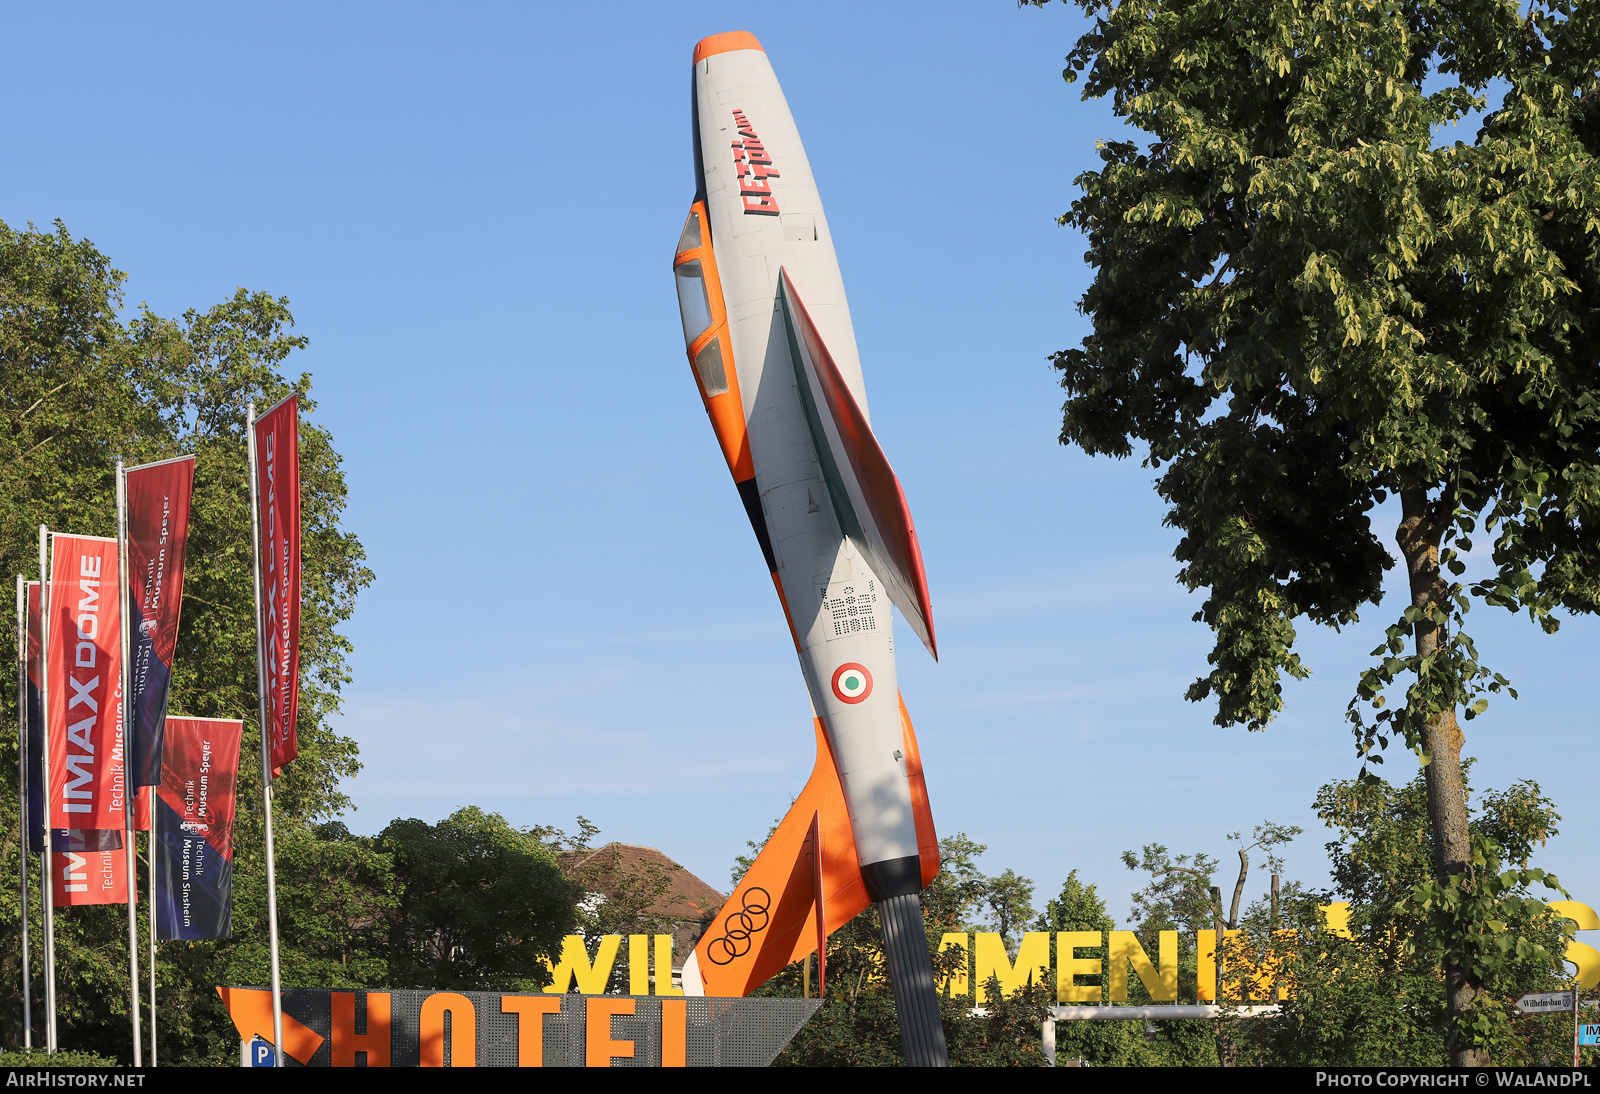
(1422, 526)
(1238, 889)
(1227, 1051)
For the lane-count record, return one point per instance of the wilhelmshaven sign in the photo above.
(1544, 1002)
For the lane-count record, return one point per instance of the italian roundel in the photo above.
(852, 683)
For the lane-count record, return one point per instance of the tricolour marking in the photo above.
(852, 683)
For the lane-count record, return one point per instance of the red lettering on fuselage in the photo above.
(754, 167)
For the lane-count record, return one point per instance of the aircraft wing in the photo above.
(865, 491)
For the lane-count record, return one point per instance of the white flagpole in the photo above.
(129, 792)
(266, 749)
(48, 898)
(22, 783)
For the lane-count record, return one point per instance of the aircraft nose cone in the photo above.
(725, 43)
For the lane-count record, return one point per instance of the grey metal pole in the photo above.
(916, 997)
(48, 898)
(129, 794)
(266, 750)
(22, 784)
(1222, 927)
(150, 845)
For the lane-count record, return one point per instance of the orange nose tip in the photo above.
(725, 43)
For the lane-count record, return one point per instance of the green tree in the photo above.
(1180, 897)
(1008, 904)
(1304, 304)
(39, 1058)
(79, 389)
(1180, 893)
(1371, 996)
(335, 899)
(1078, 907)
(481, 906)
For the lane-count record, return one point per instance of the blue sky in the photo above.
(472, 210)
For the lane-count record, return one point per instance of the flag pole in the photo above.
(266, 750)
(48, 897)
(129, 792)
(22, 783)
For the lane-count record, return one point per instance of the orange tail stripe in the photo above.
(921, 812)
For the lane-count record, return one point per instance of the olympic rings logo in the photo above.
(739, 926)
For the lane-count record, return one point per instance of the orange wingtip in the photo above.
(725, 43)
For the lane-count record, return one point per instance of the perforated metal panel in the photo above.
(717, 1033)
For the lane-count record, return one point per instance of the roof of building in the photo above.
(605, 869)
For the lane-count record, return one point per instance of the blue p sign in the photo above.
(260, 1053)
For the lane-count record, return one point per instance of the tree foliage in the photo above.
(1365, 994)
(40, 1058)
(1306, 303)
(81, 388)
(1128, 1043)
(481, 906)
(1180, 896)
(1180, 891)
(1374, 997)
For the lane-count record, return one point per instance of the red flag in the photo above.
(195, 811)
(62, 839)
(158, 540)
(89, 877)
(277, 437)
(88, 769)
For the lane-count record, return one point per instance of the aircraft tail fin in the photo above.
(771, 918)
